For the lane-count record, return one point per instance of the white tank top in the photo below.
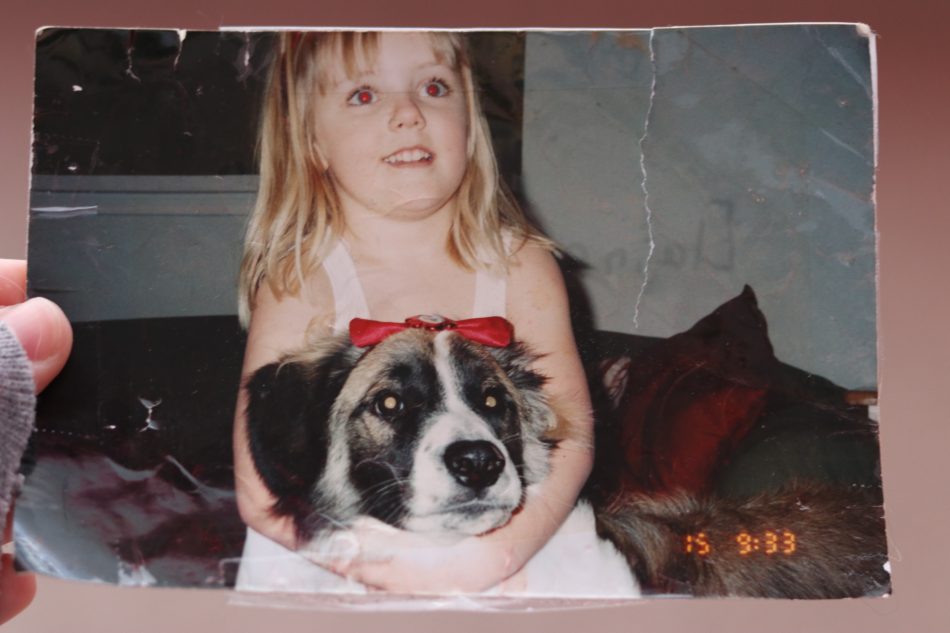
(269, 566)
(350, 302)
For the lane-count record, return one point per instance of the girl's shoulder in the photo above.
(531, 263)
(536, 290)
(282, 321)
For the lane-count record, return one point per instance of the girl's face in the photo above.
(394, 137)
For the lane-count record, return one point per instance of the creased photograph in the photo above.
(566, 316)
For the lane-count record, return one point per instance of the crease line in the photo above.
(128, 58)
(768, 91)
(837, 141)
(182, 34)
(643, 186)
(835, 54)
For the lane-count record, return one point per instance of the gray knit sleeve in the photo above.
(17, 411)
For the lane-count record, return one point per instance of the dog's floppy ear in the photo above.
(516, 360)
(288, 415)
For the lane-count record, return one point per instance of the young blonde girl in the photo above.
(374, 150)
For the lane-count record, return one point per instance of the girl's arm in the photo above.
(400, 561)
(277, 326)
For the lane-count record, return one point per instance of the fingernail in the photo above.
(28, 321)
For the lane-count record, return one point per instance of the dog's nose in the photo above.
(476, 464)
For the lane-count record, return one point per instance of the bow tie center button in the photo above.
(432, 322)
(431, 319)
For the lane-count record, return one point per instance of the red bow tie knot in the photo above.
(492, 331)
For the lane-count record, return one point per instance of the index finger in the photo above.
(12, 281)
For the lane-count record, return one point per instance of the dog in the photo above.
(425, 430)
(428, 427)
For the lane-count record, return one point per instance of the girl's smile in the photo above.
(394, 137)
(410, 157)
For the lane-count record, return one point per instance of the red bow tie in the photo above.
(493, 331)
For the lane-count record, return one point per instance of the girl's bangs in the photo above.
(356, 51)
(448, 48)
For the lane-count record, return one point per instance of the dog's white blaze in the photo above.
(433, 486)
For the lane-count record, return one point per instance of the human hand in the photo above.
(39, 324)
(398, 561)
(46, 337)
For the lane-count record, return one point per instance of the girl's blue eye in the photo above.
(436, 88)
(362, 96)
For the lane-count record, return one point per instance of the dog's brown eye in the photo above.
(388, 404)
(492, 399)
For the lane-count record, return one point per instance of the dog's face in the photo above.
(426, 431)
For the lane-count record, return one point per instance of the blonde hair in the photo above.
(297, 216)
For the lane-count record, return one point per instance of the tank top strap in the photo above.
(348, 298)
(491, 290)
(490, 296)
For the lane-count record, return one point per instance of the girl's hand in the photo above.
(389, 559)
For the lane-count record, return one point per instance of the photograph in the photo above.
(585, 316)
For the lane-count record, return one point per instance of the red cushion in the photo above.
(689, 400)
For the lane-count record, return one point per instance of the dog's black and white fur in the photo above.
(425, 431)
(430, 432)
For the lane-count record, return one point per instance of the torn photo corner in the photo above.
(708, 193)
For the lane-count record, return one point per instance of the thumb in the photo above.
(45, 334)
(16, 590)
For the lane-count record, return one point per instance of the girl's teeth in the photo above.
(408, 156)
